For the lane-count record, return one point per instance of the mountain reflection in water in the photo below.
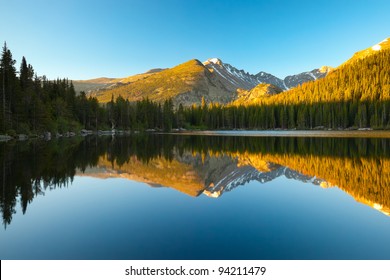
(196, 165)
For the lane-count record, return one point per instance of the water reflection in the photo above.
(196, 165)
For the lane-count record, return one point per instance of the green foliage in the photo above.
(11, 132)
(32, 104)
(355, 95)
(24, 129)
(361, 81)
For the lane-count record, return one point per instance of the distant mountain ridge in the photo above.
(106, 83)
(239, 78)
(186, 83)
(244, 80)
(213, 80)
(231, 78)
(193, 80)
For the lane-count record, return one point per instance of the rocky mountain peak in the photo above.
(213, 61)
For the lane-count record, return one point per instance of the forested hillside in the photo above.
(355, 95)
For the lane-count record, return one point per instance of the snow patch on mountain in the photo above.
(234, 79)
(284, 86)
(214, 60)
(312, 75)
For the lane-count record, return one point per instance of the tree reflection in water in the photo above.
(197, 164)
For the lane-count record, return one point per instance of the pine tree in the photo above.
(8, 76)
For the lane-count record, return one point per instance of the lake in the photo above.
(196, 197)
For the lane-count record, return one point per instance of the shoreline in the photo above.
(384, 134)
(290, 133)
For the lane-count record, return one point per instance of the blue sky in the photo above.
(82, 39)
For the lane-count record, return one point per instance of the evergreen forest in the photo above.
(355, 95)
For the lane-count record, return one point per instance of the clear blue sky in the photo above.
(82, 39)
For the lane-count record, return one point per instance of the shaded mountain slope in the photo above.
(253, 96)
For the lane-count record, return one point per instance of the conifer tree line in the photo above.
(31, 104)
(355, 95)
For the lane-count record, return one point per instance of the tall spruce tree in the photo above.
(8, 76)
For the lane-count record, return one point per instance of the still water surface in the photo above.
(196, 197)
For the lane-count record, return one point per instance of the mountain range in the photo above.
(213, 80)
(188, 82)
(244, 80)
